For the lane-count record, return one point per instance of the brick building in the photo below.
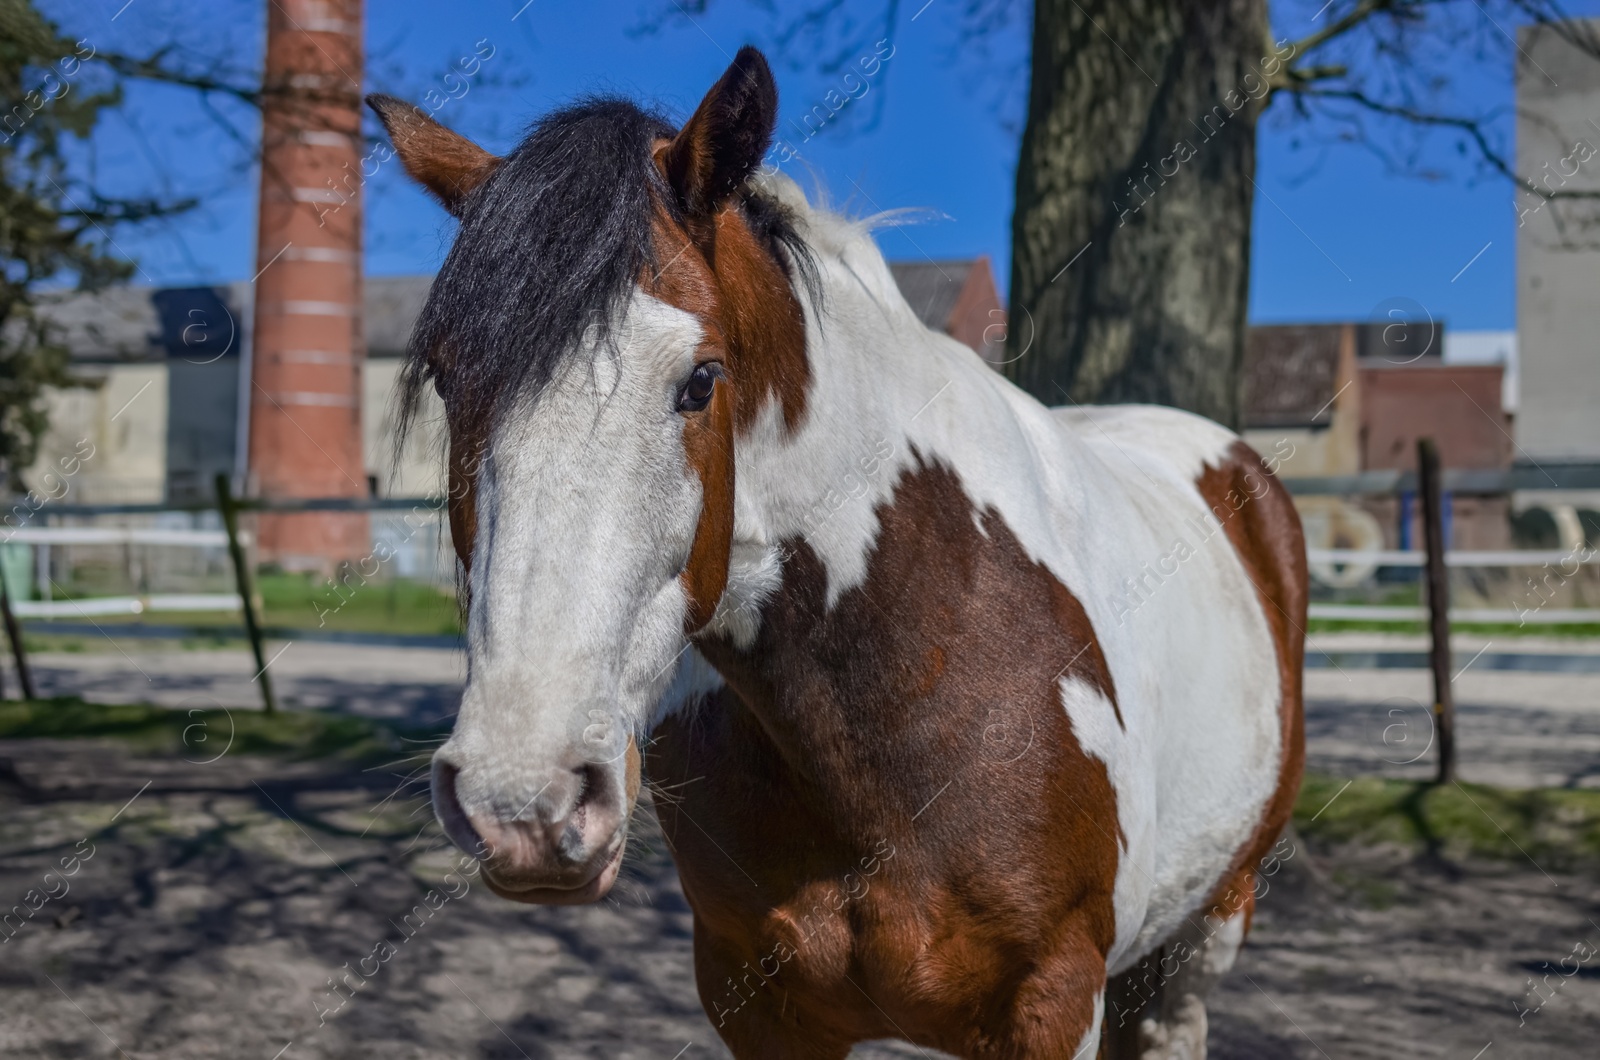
(1336, 399)
(958, 298)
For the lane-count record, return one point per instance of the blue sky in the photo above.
(1338, 231)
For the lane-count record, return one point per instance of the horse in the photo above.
(969, 721)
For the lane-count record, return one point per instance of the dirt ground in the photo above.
(214, 904)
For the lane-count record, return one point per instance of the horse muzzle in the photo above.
(564, 847)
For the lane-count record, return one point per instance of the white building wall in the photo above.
(116, 429)
(1558, 252)
(418, 470)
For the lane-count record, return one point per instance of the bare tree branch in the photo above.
(154, 68)
(1397, 31)
(1472, 127)
(1352, 19)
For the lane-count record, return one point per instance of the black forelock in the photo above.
(548, 247)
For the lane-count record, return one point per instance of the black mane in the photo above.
(548, 247)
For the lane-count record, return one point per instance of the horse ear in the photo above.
(723, 142)
(447, 164)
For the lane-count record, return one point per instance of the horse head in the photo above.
(616, 306)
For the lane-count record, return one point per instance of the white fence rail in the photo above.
(120, 535)
(201, 602)
(1538, 616)
(1549, 616)
(1412, 558)
(100, 606)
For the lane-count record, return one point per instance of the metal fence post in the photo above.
(241, 574)
(1438, 581)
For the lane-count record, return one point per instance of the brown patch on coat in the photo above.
(751, 323)
(686, 283)
(705, 169)
(716, 269)
(461, 500)
(708, 443)
(860, 855)
(1089, 663)
(762, 321)
(1264, 529)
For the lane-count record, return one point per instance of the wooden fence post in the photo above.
(241, 573)
(14, 633)
(1438, 579)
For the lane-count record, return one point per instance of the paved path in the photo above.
(420, 685)
(234, 910)
(1514, 728)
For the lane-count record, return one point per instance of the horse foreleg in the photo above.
(1156, 1010)
(1055, 1014)
(760, 1037)
(755, 1016)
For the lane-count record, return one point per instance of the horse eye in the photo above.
(696, 393)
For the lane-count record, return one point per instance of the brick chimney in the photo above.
(305, 390)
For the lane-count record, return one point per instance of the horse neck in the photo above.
(886, 396)
(821, 509)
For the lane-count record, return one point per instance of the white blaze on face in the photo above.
(586, 510)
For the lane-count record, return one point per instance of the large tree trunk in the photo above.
(1131, 237)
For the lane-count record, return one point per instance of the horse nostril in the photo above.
(594, 785)
(569, 837)
(447, 807)
(541, 835)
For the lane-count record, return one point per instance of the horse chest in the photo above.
(943, 917)
(889, 793)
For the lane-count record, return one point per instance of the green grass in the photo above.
(1557, 828)
(297, 601)
(396, 605)
(203, 734)
(38, 638)
(1500, 629)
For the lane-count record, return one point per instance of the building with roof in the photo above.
(160, 389)
(157, 374)
(1299, 405)
(958, 298)
(1337, 399)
